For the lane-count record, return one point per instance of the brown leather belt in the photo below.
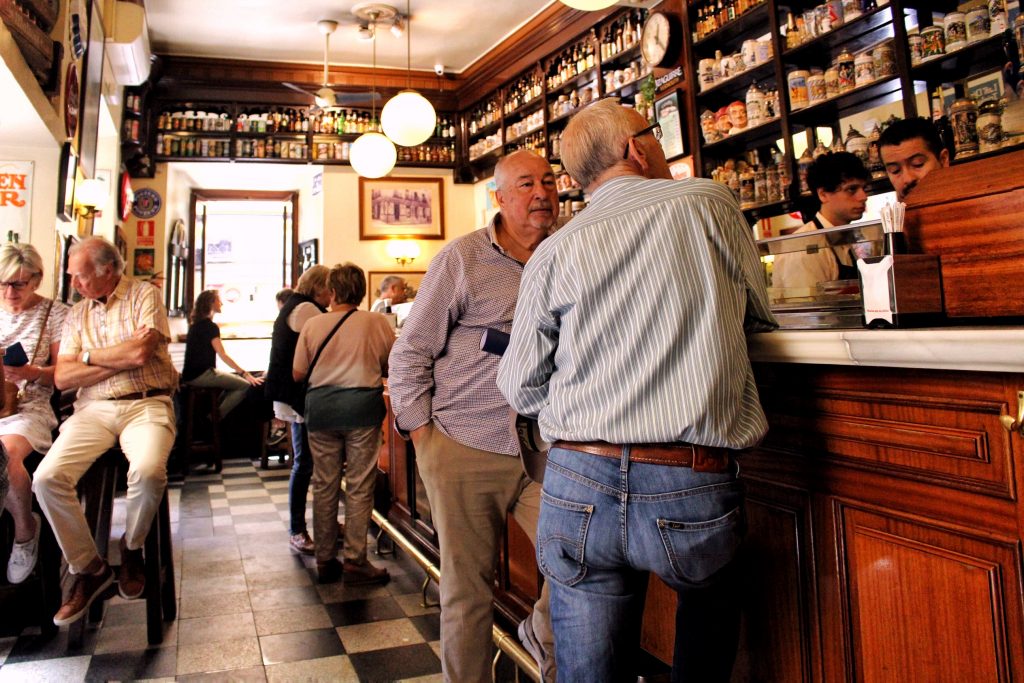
(700, 458)
(148, 393)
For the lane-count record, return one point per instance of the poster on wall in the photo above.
(144, 262)
(16, 199)
(145, 233)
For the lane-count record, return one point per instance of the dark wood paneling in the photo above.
(972, 216)
(927, 603)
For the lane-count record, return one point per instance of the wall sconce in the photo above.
(403, 251)
(89, 196)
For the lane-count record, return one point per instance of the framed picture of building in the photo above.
(401, 207)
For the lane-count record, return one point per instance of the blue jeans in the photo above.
(604, 525)
(298, 483)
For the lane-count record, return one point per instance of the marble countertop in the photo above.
(985, 349)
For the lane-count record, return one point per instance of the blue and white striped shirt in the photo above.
(437, 371)
(630, 326)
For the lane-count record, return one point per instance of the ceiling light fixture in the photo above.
(589, 5)
(408, 118)
(397, 27)
(372, 154)
(364, 33)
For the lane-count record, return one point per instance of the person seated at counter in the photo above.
(911, 149)
(114, 352)
(202, 348)
(392, 291)
(838, 180)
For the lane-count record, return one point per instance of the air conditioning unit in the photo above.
(128, 47)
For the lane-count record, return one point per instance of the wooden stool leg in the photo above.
(170, 600)
(216, 456)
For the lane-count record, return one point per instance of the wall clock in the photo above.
(661, 39)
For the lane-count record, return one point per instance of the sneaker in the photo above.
(301, 543)
(85, 588)
(530, 643)
(277, 436)
(363, 573)
(131, 575)
(24, 556)
(329, 571)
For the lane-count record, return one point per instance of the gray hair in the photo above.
(595, 138)
(386, 283)
(15, 256)
(100, 253)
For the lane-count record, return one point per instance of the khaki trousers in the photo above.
(357, 450)
(471, 493)
(145, 429)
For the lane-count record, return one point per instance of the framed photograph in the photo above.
(374, 278)
(309, 254)
(401, 207)
(144, 263)
(92, 86)
(669, 115)
(66, 183)
(986, 87)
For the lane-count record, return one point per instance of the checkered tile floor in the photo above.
(249, 608)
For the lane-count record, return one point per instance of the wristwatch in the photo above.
(85, 357)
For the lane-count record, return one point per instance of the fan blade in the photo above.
(296, 88)
(355, 99)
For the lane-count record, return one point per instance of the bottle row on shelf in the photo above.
(956, 31)
(522, 92)
(571, 63)
(189, 147)
(826, 17)
(755, 182)
(622, 34)
(715, 14)
(847, 72)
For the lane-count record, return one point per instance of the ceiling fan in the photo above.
(326, 97)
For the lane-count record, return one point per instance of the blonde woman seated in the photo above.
(36, 323)
(203, 346)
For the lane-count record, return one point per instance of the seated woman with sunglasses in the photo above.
(35, 322)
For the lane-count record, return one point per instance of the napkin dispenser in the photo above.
(901, 290)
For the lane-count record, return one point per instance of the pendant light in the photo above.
(408, 118)
(372, 154)
(589, 5)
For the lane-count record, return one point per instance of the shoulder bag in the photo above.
(11, 393)
(302, 387)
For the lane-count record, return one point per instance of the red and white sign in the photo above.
(145, 234)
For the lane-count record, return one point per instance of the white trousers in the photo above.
(145, 429)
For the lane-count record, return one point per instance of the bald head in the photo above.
(526, 192)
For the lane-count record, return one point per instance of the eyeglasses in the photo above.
(654, 129)
(16, 285)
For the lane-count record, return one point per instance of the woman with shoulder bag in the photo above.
(343, 357)
(36, 323)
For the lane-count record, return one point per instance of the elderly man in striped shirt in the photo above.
(443, 392)
(114, 351)
(646, 399)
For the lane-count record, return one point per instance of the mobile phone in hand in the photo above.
(15, 355)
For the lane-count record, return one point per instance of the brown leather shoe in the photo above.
(364, 573)
(301, 543)
(131, 576)
(329, 571)
(85, 588)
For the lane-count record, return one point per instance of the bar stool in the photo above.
(199, 398)
(97, 489)
(285, 456)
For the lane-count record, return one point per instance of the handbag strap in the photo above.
(42, 331)
(312, 365)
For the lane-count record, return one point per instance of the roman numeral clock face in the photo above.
(660, 40)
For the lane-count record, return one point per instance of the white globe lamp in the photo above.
(408, 118)
(372, 155)
(589, 5)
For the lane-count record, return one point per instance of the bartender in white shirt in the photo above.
(838, 180)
